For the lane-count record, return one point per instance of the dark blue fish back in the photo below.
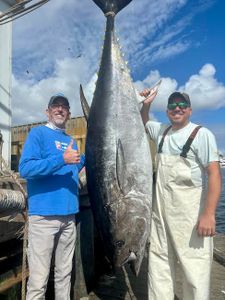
(111, 5)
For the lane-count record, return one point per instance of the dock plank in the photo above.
(125, 286)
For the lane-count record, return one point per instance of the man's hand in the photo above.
(206, 222)
(71, 156)
(206, 225)
(149, 95)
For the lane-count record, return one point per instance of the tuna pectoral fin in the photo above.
(84, 104)
(124, 179)
(111, 5)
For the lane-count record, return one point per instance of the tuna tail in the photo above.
(112, 6)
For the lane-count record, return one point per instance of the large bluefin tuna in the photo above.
(119, 168)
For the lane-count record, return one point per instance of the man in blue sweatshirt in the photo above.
(50, 163)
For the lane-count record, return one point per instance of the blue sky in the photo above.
(58, 46)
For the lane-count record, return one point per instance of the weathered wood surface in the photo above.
(11, 227)
(219, 249)
(84, 252)
(124, 286)
(218, 271)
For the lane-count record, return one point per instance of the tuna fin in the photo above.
(84, 104)
(111, 5)
(124, 180)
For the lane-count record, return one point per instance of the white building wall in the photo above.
(5, 84)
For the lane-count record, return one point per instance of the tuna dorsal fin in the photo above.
(84, 103)
(124, 179)
(111, 5)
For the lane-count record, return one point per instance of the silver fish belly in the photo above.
(118, 160)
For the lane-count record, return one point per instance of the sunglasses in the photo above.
(56, 106)
(181, 105)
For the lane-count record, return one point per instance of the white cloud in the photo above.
(68, 28)
(30, 99)
(58, 46)
(205, 91)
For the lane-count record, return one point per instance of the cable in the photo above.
(15, 12)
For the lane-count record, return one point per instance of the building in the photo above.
(5, 80)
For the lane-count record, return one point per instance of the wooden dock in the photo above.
(88, 282)
(121, 286)
(124, 286)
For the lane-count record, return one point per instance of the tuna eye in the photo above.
(119, 244)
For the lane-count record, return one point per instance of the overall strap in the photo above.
(189, 141)
(162, 140)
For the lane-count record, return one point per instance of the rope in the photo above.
(11, 199)
(110, 13)
(25, 233)
(14, 177)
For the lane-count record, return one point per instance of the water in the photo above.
(220, 212)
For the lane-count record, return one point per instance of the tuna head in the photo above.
(112, 6)
(130, 231)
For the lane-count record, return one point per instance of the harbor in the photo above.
(93, 279)
(90, 181)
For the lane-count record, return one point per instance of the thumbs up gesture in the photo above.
(71, 156)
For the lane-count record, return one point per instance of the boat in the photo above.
(222, 161)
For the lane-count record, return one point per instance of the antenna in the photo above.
(20, 9)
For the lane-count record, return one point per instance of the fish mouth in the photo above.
(124, 256)
(130, 258)
(120, 261)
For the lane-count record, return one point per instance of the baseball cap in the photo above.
(59, 98)
(182, 96)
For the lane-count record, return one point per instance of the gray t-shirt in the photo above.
(203, 149)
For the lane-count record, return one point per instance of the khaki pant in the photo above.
(46, 234)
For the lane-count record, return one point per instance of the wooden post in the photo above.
(84, 253)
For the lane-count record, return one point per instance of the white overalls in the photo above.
(174, 241)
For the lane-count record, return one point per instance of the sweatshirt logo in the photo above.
(61, 146)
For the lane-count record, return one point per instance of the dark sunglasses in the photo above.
(57, 105)
(181, 105)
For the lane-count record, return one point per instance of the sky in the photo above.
(182, 42)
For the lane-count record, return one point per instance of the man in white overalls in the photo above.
(183, 217)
